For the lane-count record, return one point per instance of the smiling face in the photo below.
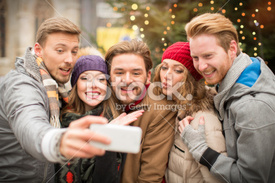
(128, 77)
(59, 54)
(171, 73)
(91, 88)
(210, 59)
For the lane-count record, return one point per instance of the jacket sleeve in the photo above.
(156, 146)
(27, 111)
(214, 139)
(254, 128)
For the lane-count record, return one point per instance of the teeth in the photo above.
(65, 70)
(93, 94)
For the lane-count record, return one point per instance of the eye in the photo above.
(101, 79)
(136, 73)
(178, 71)
(59, 50)
(195, 58)
(83, 78)
(74, 52)
(164, 68)
(118, 73)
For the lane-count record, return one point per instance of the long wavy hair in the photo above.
(202, 95)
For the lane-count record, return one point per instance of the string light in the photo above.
(173, 16)
(211, 2)
(141, 29)
(115, 8)
(142, 36)
(146, 22)
(236, 9)
(163, 39)
(132, 18)
(146, 15)
(108, 24)
(175, 5)
(134, 6)
(212, 8)
(241, 4)
(135, 27)
(147, 8)
(200, 4)
(195, 9)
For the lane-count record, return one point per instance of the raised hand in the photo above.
(126, 119)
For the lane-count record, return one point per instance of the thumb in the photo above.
(201, 124)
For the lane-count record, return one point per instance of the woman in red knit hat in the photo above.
(180, 82)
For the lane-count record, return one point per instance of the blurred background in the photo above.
(159, 23)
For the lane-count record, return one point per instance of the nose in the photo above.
(202, 65)
(127, 79)
(69, 58)
(168, 74)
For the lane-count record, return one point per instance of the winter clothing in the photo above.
(53, 90)
(101, 169)
(182, 167)
(157, 124)
(180, 51)
(28, 141)
(86, 63)
(246, 105)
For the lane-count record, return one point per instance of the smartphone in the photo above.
(123, 138)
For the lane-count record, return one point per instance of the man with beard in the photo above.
(129, 66)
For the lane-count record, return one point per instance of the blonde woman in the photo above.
(180, 82)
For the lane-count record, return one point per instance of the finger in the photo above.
(202, 122)
(121, 115)
(181, 127)
(86, 121)
(187, 120)
(83, 150)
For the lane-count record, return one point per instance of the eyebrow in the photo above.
(137, 69)
(64, 45)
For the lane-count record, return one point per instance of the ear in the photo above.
(38, 49)
(148, 80)
(233, 49)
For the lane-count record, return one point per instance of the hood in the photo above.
(246, 76)
(28, 65)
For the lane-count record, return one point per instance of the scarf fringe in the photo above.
(54, 121)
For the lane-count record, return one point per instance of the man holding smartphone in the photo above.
(129, 66)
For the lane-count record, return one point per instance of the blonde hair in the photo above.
(88, 51)
(135, 47)
(55, 24)
(213, 24)
(202, 97)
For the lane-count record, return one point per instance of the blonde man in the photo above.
(245, 103)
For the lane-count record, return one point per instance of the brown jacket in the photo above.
(182, 166)
(157, 124)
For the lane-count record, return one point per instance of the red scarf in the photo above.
(128, 108)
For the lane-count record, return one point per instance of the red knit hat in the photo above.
(180, 51)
